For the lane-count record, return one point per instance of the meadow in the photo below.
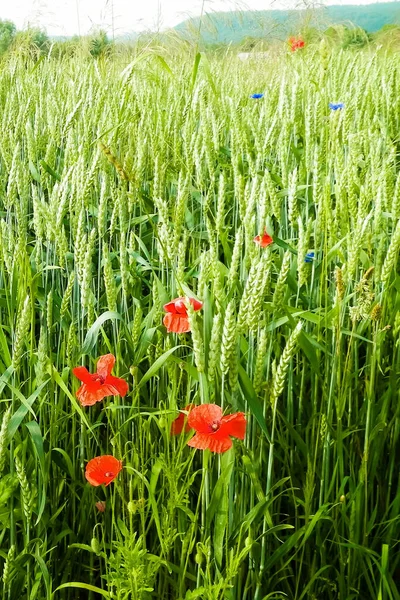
(126, 183)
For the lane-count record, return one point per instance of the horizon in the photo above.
(79, 17)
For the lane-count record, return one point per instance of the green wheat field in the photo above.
(130, 181)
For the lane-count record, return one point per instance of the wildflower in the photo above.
(176, 320)
(337, 106)
(101, 506)
(180, 422)
(257, 96)
(296, 44)
(213, 431)
(102, 469)
(101, 384)
(263, 240)
(309, 257)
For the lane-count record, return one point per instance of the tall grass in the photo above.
(124, 186)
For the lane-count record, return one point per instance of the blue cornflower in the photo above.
(257, 96)
(337, 106)
(309, 257)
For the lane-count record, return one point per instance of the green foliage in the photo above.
(236, 26)
(124, 184)
(354, 38)
(32, 42)
(7, 35)
(100, 45)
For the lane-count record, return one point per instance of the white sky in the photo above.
(67, 17)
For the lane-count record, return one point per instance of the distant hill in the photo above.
(220, 27)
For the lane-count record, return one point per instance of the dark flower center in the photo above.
(109, 474)
(214, 426)
(97, 377)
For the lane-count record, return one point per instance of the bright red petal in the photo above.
(178, 425)
(202, 441)
(199, 441)
(105, 365)
(177, 306)
(90, 394)
(233, 425)
(170, 307)
(181, 421)
(219, 445)
(119, 386)
(176, 323)
(181, 306)
(102, 470)
(82, 374)
(197, 305)
(266, 240)
(202, 418)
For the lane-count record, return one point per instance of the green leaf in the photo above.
(156, 366)
(83, 586)
(4, 349)
(59, 381)
(222, 504)
(34, 172)
(50, 171)
(93, 333)
(195, 69)
(8, 483)
(37, 439)
(22, 411)
(207, 70)
(164, 64)
(251, 398)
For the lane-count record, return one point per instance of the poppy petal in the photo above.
(90, 394)
(105, 365)
(176, 323)
(178, 425)
(234, 425)
(118, 385)
(219, 445)
(181, 306)
(197, 305)
(102, 470)
(266, 240)
(170, 307)
(82, 374)
(199, 441)
(181, 421)
(202, 441)
(203, 417)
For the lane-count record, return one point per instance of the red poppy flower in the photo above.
(296, 44)
(101, 384)
(102, 469)
(213, 431)
(101, 506)
(263, 240)
(176, 320)
(181, 421)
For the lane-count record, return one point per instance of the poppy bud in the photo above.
(101, 506)
(199, 558)
(95, 545)
(342, 498)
